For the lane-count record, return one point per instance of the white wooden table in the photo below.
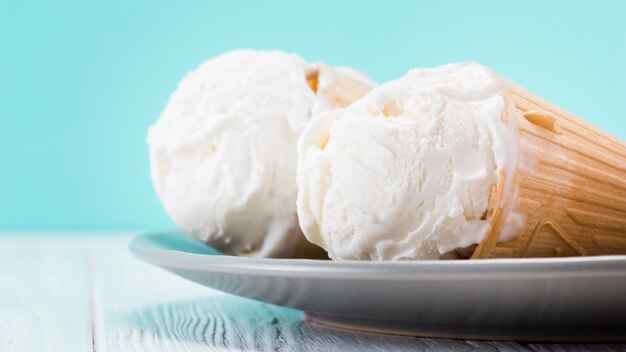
(85, 292)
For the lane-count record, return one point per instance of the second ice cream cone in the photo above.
(569, 186)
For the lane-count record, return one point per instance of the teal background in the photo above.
(81, 81)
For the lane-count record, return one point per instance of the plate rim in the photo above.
(143, 246)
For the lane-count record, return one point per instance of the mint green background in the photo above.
(80, 81)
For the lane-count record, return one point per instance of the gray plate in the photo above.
(564, 299)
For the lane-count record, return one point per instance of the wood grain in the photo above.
(44, 294)
(88, 294)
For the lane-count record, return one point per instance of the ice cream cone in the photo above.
(569, 186)
(339, 87)
(223, 151)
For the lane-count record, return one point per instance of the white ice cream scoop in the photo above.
(407, 171)
(223, 152)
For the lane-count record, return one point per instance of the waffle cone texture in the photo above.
(569, 186)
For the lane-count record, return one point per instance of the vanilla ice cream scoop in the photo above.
(223, 152)
(407, 171)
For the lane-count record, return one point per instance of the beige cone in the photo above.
(344, 89)
(570, 186)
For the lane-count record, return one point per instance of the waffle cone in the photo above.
(343, 91)
(569, 187)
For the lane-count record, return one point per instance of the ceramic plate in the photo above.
(556, 299)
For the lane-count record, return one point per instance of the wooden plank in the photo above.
(47, 284)
(129, 297)
(44, 294)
